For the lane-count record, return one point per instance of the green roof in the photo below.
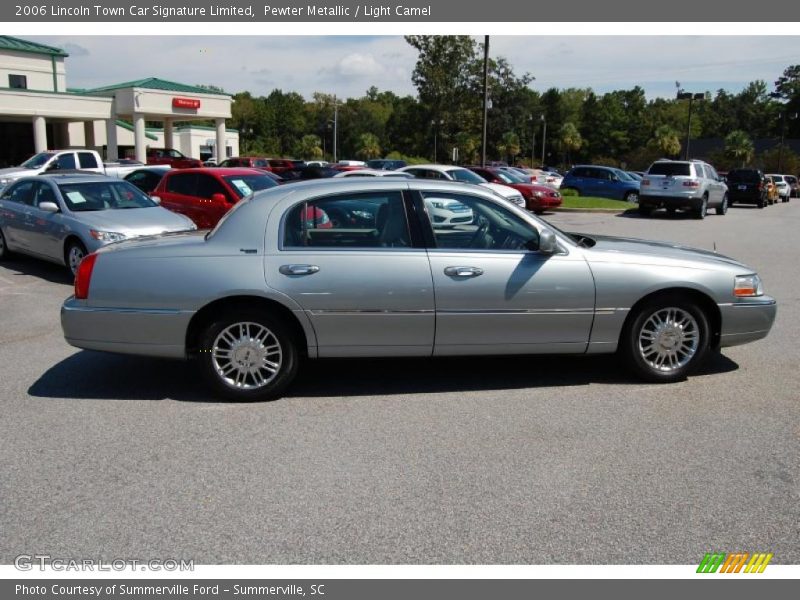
(154, 83)
(18, 45)
(129, 127)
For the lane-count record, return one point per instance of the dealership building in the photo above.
(39, 112)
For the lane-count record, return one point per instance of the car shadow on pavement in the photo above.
(23, 265)
(101, 376)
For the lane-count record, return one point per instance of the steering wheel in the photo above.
(481, 231)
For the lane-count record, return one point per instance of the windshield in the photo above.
(777, 178)
(623, 175)
(746, 175)
(38, 160)
(244, 185)
(103, 195)
(510, 177)
(465, 176)
(670, 169)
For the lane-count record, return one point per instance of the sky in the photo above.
(349, 65)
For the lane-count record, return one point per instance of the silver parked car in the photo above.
(691, 185)
(62, 218)
(355, 268)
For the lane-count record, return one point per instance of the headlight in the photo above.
(437, 204)
(748, 286)
(538, 194)
(107, 236)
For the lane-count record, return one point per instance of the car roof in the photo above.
(221, 171)
(59, 178)
(432, 167)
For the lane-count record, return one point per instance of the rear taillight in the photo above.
(645, 182)
(691, 184)
(84, 277)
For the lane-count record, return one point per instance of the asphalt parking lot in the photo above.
(525, 460)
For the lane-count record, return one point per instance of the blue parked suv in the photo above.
(603, 182)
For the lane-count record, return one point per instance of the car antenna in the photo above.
(715, 245)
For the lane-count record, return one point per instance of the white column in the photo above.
(39, 134)
(220, 123)
(112, 150)
(88, 134)
(139, 137)
(168, 139)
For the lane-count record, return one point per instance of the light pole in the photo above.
(335, 126)
(435, 124)
(784, 115)
(485, 97)
(533, 138)
(544, 135)
(691, 98)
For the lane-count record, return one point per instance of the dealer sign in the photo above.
(185, 103)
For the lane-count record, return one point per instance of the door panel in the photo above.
(45, 230)
(347, 260)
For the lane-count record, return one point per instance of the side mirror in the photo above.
(156, 199)
(547, 242)
(219, 199)
(50, 207)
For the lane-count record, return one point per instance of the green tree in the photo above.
(369, 146)
(666, 141)
(310, 147)
(509, 146)
(569, 140)
(738, 145)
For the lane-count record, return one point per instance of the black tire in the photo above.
(4, 251)
(700, 211)
(723, 208)
(74, 252)
(641, 362)
(632, 197)
(223, 373)
(785, 199)
(760, 203)
(645, 210)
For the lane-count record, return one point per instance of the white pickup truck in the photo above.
(53, 161)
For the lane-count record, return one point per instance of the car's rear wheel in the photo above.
(723, 208)
(645, 210)
(74, 254)
(700, 212)
(632, 197)
(666, 339)
(760, 203)
(247, 355)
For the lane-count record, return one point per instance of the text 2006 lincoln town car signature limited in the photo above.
(355, 268)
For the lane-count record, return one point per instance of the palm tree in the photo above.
(369, 146)
(666, 140)
(309, 147)
(509, 145)
(738, 145)
(570, 140)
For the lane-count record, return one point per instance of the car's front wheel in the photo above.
(247, 355)
(632, 197)
(4, 252)
(666, 339)
(74, 254)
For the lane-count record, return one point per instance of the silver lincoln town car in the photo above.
(356, 268)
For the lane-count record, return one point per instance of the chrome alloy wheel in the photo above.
(246, 356)
(669, 339)
(74, 257)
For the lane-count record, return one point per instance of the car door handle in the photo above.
(298, 269)
(463, 271)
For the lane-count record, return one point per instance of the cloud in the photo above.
(75, 50)
(359, 65)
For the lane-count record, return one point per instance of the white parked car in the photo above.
(454, 173)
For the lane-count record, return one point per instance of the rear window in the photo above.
(745, 175)
(670, 169)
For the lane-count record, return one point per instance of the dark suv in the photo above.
(747, 186)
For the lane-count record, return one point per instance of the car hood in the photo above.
(632, 247)
(135, 221)
(17, 171)
(503, 190)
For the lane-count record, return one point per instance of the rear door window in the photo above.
(87, 160)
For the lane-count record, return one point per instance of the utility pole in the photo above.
(544, 136)
(335, 126)
(485, 96)
(783, 135)
(690, 97)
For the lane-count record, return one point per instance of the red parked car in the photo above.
(249, 162)
(171, 157)
(538, 198)
(205, 195)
